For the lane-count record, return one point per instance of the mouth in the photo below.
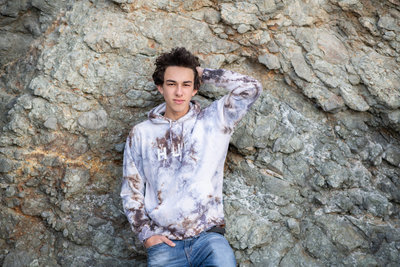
(178, 101)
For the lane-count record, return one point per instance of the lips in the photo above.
(179, 101)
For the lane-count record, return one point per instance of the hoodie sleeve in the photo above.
(243, 92)
(132, 192)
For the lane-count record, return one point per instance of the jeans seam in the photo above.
(191, 247)
(186, 253)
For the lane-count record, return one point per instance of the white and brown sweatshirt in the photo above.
(173, 170)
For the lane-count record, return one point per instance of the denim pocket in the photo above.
(155, 246)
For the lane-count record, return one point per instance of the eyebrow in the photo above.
(172, 81)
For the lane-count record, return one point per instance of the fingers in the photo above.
(167, 241)
(150, 241)
(199, 71)
(156, 239)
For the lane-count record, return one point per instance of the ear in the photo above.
(160, 89)
(194, 92)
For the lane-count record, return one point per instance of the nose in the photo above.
(179, 90)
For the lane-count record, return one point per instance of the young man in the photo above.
(173, 164)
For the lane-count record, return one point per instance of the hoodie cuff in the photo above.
(145, 234)
(209, 75)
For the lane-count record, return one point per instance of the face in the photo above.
(178, 90)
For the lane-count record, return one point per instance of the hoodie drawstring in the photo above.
(156, 116)
(176, 151)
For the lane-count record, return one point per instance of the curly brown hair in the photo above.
(179, 57)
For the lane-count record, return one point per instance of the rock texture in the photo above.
(312, 174)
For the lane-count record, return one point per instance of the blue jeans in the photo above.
(205, 249)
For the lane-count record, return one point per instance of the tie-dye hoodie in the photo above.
(173, 170)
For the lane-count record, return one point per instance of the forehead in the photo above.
(179, 74)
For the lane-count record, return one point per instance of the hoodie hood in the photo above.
(156, 115)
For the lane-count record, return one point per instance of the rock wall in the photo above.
(312, 174)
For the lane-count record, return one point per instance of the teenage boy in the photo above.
(174, 161)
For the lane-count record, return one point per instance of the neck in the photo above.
(175, 115)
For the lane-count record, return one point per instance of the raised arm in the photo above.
(243, 92)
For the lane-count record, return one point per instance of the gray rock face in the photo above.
(22, 22)
(312, 173)
(270, 61)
